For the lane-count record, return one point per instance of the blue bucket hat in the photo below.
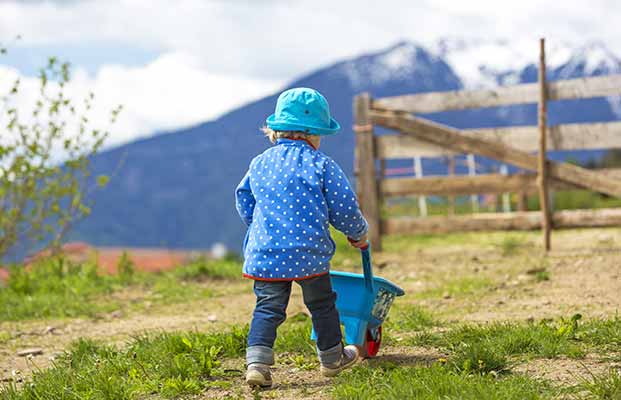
(304, 110)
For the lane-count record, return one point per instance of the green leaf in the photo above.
(102, 180)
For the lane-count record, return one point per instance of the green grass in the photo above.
(604, 387)
(227, 268)
(294, 337)
(435, 382)
(510, 245)
(477, 365)
(604, 334)
(492, 348)
(57, 288)
(167, 364)
(410, 318)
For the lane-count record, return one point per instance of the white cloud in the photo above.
(215, 54)
(281, 39)
(170, 92)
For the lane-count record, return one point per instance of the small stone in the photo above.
(49, 330)
(35, 351)
(212, 318)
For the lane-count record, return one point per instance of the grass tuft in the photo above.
(409, 317)
(604, 387)
(509, 245)
(498, 341)
(435, 382)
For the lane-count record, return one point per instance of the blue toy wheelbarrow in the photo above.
(363, 302)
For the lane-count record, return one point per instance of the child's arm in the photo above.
(244, 200)
(344, 212)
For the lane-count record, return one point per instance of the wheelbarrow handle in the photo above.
(365, 252)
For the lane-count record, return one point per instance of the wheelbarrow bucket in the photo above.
(363, 302)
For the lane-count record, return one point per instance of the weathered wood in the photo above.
(542, 164)
(559, 137)
(457, 185)
(528, 220)
(453, 139)
(472, 171)
(600, 86)
(583, 88)
(451, 172)
(459, 99)
(465, 185)
(506, 197)
(367, 177)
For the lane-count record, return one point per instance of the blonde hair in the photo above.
(273, 135)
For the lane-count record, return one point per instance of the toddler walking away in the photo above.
(290, 195)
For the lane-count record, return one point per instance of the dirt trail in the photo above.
(471, 281)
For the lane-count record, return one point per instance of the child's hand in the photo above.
(359, 244)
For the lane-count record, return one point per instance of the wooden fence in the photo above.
(522, 146)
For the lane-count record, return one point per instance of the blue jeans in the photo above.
(270, 312)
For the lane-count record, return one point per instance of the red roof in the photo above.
(107, 258)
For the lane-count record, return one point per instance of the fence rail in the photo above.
(590, 136)
(582, 88)
(525, 220)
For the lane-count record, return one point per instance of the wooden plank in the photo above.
(367, 178)
(466, 185)
(528, 220)
(459, 99)
(542, 163)
(583, 88)
(600, 86)
(454, 140)
(559, 137)
(457, 185)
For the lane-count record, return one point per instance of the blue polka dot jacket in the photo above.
(288, 199)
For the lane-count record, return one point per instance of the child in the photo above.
(288, 198)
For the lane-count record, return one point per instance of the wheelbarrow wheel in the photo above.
(371, 345)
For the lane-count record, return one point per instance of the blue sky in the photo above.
(174, 64)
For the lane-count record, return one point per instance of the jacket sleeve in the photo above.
(343, 209)
(244, 199)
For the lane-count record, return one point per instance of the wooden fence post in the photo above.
(506, 199)
(451, 172)
(543, 164)
(367, 174)
(522, 201)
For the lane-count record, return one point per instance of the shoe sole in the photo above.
(255, 378)
(332, 372)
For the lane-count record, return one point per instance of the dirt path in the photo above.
(470, 281)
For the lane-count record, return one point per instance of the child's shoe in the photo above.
(259, 375)
(348, 358)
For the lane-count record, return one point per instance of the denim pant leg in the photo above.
(269, 313)
(321, 302)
